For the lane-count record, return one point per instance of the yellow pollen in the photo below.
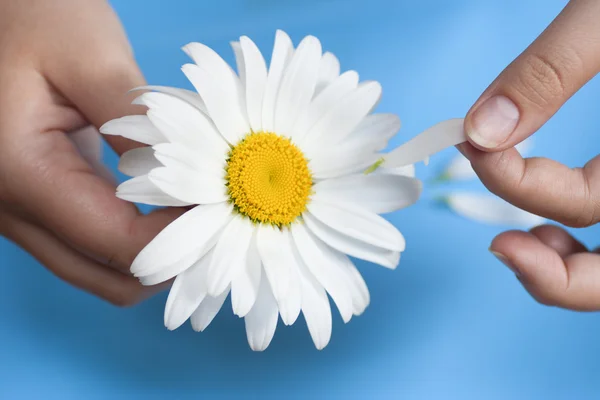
(268, 179)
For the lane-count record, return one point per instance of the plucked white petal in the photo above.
(189, 185)
(491, 210)
(239, 61)
(378, 193)
(283, 50)
(261, 321)
(256, 79)
(274, 247)
(323, 102)
(138, 161)
(297, 85)
(141, 190)
(194, 230)
(225, 103)
(373, 132)
(359, 223)
(186, 294)
(407, 170)
(437, 138)
(279, 262)
(353, 247)
(343, 118)
(315, 308)
(229, 256)
(326, 265)
(207, 310)
(88, 142)
(181, 123)
(134, 127)
(188, 96)
(329, 69)
(245, 285)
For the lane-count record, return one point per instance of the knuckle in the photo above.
(542, 79)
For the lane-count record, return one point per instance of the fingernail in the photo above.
(493, 122)
(506, 262)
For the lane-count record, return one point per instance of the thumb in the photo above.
(97, 68)
(534, 86)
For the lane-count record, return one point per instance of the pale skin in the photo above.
(67, 64)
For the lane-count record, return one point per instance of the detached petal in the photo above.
(491, 210)
(438, 137)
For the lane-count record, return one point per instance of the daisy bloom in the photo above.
(281, 169)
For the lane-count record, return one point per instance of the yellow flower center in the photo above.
(268, 179)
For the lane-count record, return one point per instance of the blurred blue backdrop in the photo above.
(449, 323)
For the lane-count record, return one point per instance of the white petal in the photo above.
(407, 170)
(188, 96)
(186, 294)
(256, 79)
(245, 286)
(189, 186)
(230, 254)
(201, 160)
(221, 90)
(329, 69)
(207, 310)
(261, 321)
(343, 118)
(359, 223)
(297, 85)
(291, 304)
(280, 265)
(141, 190)
(166, 272)
(196, 229)
(328, 164)
(134, 127)
(491, 210)
(358, 288)
(138, 162)
(374, 132)
(88, 142)
(239, 61)
(437, 138)
(283, 50)
(378, 193)
(323, 102)
(316, 309)
(274, 247)
(351, 246)
(181, 123)
(326, 266)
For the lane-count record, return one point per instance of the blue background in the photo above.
(449, 323)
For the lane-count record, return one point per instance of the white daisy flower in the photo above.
(272, 161)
